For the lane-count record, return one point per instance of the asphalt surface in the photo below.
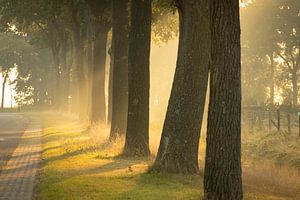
(12, 127)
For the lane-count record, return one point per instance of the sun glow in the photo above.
(9, 91)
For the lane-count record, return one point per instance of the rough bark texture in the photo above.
(120, 68)
(98, 90)
(137, 134)
(178, 150)
(222, 176)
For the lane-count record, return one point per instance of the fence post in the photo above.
(289, 123)
(278, 119)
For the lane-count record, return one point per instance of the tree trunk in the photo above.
(64, 77)
(79, 63)
(222, 176)
(295, 89)
(120, 68)
(110, 86)
(178, 150)
(57, 84)
(137, 134)
(272, 85)
(3, 89)
(98, 90)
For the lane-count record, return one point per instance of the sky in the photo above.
(8, 93)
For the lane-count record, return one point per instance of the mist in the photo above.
(150, 99)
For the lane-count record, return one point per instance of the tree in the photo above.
(137, 134)
(120, 22)
(178, 150)
(288, 33)
(102, 21)
(222, 175)
(259, 44)
(5, 77)
(46, 27)
(12, 52)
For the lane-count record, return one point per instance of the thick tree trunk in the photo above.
(222, 176)
(3, 89)
(272, 85)
(137, 134)
(120, 68)
(178, 150)
(98, 90)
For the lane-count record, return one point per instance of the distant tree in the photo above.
(120, 23)
(137, 134)
(288, 33)
(10, 54)
(101, 11)
(178, 149)
(223, 171)
(259, 44)
(45, 23)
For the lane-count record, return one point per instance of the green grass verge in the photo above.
(76, 166)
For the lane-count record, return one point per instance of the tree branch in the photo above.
(286, 61)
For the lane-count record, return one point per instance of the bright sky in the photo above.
(9, 91)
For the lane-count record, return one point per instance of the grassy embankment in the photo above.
(79, 164)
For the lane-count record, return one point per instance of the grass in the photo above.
(281, 148)
(79, 164)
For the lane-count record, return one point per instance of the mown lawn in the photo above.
(78, 164)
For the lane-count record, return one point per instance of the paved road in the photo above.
(20, 150)
(12, 127)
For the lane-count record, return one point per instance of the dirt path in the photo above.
(17, 178)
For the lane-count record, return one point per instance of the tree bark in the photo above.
(222, 176)
(98, 90)
(178, 150)
(137, 134)
(120, 68)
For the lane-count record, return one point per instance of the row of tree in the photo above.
(77, 32)
(271, 59)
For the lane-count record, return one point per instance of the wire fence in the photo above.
(269, 119)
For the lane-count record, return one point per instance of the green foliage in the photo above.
(165, 21)
(270, 28)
